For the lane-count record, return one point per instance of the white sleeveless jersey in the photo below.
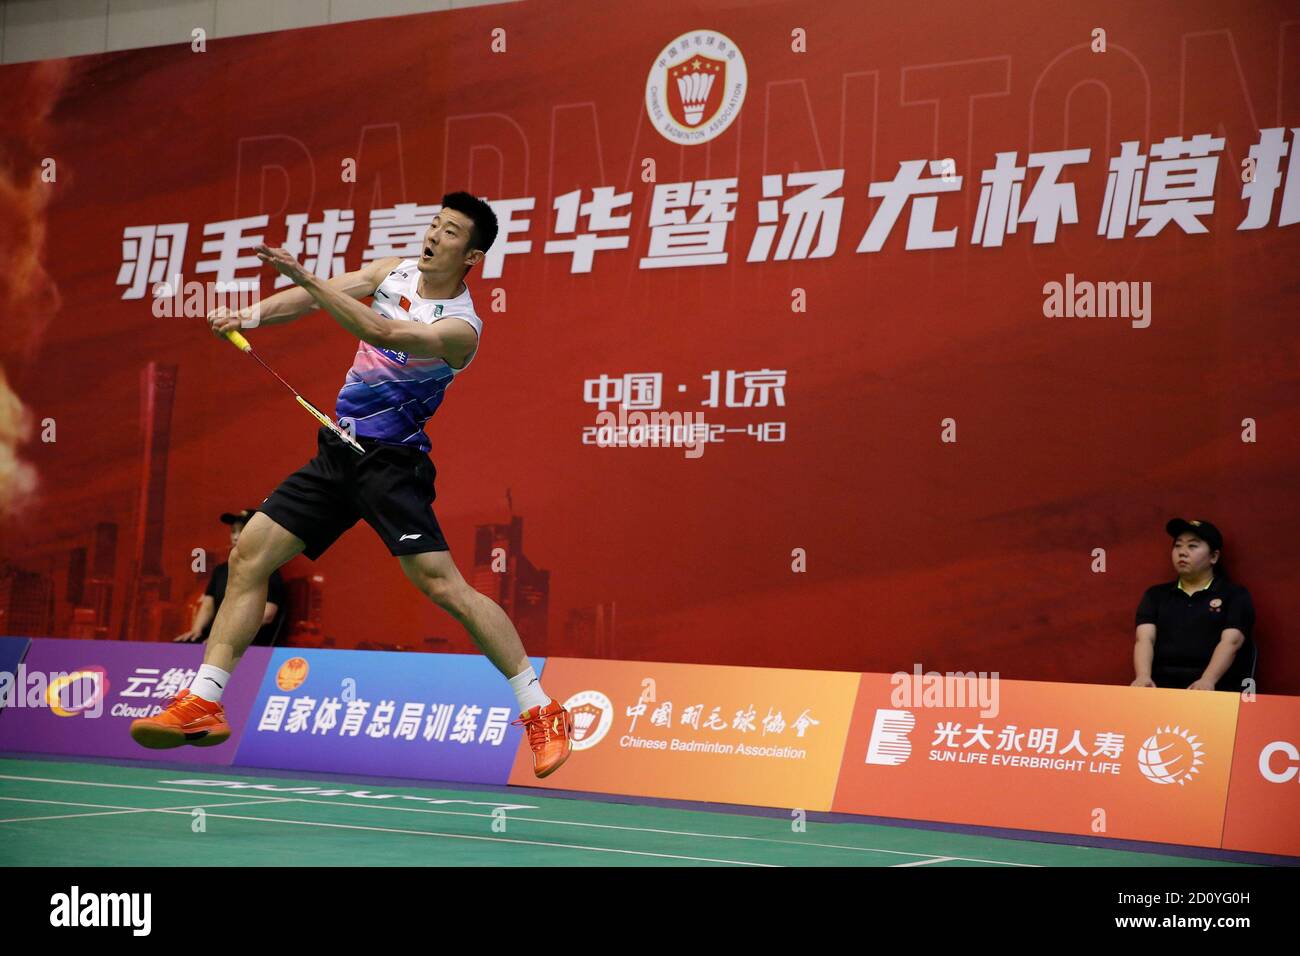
(390, 395)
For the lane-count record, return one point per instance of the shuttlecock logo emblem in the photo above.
(696, 87)
(593, 714)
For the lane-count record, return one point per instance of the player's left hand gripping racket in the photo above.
(238, 341)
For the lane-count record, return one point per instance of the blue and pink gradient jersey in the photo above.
(390, 395)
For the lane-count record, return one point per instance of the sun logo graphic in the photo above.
(1170, 755)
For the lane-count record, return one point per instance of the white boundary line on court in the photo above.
(467, 836)
(117, 786)
(115, 811)
(937, 859)
(929, 857)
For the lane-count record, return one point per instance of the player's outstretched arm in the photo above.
(453, 341)
(295, 302)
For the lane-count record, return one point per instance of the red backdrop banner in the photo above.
(866, 250)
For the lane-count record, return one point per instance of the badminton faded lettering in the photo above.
(1171, 186)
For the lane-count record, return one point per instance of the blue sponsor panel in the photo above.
(429, 716)
(12, 651)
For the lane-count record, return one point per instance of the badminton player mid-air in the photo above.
(419, 332)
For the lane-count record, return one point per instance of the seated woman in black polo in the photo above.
(1194, 631)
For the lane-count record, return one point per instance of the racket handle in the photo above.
(237, 340)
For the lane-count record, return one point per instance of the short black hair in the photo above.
(483, 229)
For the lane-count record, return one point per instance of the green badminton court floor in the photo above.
(56, 813)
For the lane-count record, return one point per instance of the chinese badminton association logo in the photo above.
(696, 87)
(593, 713)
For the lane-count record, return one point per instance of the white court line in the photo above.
(116, 811)
(345, 826)
(116, 806)
(937, 859)
(466, 836)
(117, 786)
(688, 833)
(570, 823)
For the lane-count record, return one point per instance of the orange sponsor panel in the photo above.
(1121, 762)
(1264, 799)
(748, 735)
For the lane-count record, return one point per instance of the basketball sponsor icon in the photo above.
(696, 87)
(291, 674)
(1170, 755)
(890, 743)
(593, 714)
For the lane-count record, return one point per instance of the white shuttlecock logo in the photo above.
(593, 713)
(694, 89)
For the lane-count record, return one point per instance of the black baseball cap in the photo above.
(1202, 529)
(238, 517)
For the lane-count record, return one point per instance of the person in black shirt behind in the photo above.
(1195, 631)
(272, 617)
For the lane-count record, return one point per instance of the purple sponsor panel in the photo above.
(381, 713)
(79, 697)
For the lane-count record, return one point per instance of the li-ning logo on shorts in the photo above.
(889, 744)
(696, 87)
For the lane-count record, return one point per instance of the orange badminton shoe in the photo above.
(186, 719)
(550, 736)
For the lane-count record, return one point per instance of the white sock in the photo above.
(528, 690)
(209, 683)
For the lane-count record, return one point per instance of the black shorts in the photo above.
(390, 486)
